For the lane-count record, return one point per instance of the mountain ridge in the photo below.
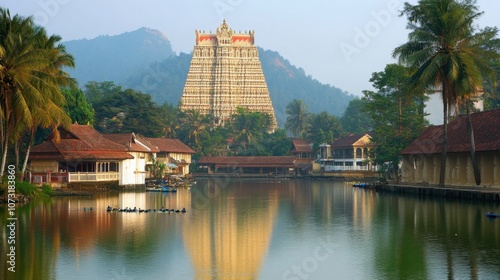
(110, 57)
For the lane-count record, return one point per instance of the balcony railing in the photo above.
(64, 177)
(330, 168)
(93, 176)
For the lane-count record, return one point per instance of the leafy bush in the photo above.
(26, 189)
(32, 191)
(47, 189)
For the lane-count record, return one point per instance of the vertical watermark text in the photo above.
(11, 219)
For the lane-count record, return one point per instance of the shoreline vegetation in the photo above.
(26, 192)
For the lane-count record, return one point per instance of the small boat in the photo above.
(168, 189)
(492, 215)
(360, 185)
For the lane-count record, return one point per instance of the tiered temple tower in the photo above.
(226, 73)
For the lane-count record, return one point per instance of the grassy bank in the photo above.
(26, 192)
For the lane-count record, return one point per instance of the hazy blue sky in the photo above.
(336, 42)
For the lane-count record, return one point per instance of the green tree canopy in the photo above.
(95, 91)
(77, 107)
(447, 52)
(355, 118)
(396, 113)
(123, 111)
(194, 127)
(249, 128)
(323, 128)
(296, 120)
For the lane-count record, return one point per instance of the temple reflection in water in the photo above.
(226, 240)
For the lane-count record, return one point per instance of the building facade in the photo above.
(422, 158)
(175, 154)
(350, 153)
(246, 165)
(82, 154)
(134, 170)
(226, 73)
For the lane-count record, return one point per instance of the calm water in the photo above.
(256, 229)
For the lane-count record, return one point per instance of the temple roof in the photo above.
(486, 126)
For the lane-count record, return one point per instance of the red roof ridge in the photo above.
(486, 127)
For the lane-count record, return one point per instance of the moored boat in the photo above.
(492, 215)
(159, 186)
(167, 189)
(361, 185)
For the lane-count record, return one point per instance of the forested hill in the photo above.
(114, 58)
(287, 82)
(143, 60)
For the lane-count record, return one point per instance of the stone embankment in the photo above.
(473, 193)
(18, 198)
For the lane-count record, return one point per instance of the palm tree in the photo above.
(195, 125)
(442, 48)
(297, 117)
(486, 54)
(323, 128)
(170, 119)
(50, 114)
(31, 73)
(19, 59)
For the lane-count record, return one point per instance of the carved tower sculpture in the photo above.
(226, 73)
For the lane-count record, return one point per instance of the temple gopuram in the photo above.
(226, 73)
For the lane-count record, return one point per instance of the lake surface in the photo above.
(256, 229)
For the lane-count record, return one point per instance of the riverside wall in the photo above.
(472, 193)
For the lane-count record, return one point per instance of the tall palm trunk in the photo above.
(400, 110)
(25, 163)
(444, 144)
(28, 149)
(472, 144)
(5, 139)
(16, 154)
(4, 157)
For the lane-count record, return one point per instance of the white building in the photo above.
(350, 153)
(84, 155)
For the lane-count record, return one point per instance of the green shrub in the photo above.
(47, 189)
(32, 191)
(26, 189)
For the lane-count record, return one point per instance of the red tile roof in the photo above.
(486, 126)
(250, 161)
(82, 142)
(133, 143)
(300, 146)
(94, 139)
(170, 145)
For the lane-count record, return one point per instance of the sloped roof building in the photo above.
(81, 143)
(82, 154)
(421, 159)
